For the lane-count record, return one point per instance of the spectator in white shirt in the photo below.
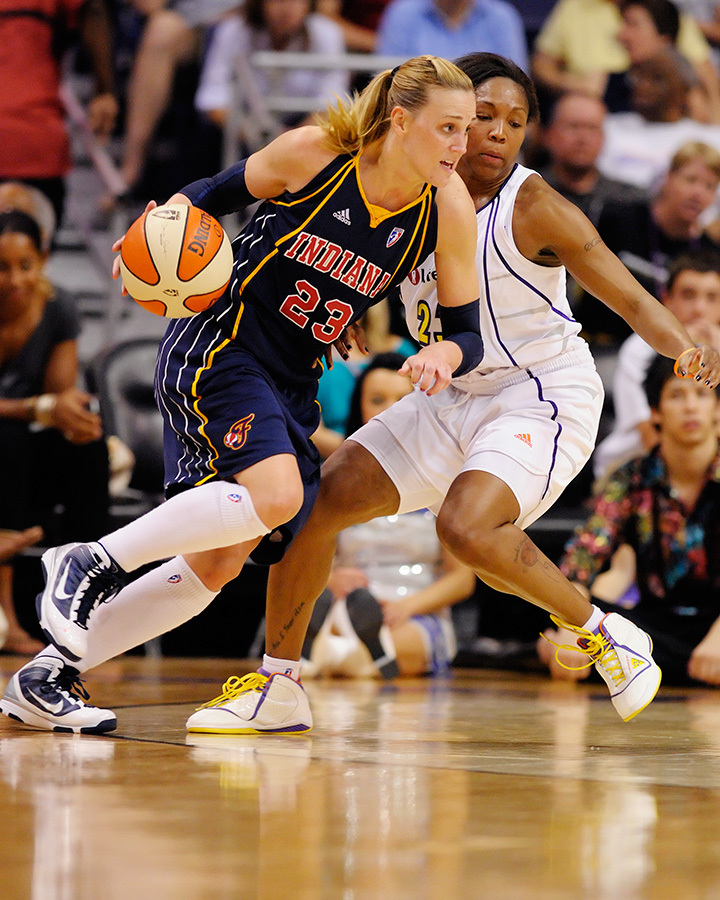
(271, 25)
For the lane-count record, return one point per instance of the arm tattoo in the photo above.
(593, 243)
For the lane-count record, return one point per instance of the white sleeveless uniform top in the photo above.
(525, 317)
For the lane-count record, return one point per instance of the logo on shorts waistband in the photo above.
(525, 438)
(237, 435)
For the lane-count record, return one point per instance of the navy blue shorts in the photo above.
(223, 413)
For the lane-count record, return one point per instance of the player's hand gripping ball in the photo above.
(176, 260)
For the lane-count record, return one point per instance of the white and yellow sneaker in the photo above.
(622, 654)
(255, 704)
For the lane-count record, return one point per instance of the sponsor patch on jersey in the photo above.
(395, 236)
(344, 216)
(237, 435)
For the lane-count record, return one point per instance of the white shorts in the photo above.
(534, 433)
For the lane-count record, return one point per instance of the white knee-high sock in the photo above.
(153, 604)
(213, 515)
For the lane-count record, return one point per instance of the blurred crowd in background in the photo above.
(171, 90)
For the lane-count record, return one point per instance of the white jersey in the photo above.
(525, 317)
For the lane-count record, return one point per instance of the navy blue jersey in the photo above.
(237, 383)
(310, 263)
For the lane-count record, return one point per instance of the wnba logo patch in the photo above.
(395, 236)
(236, 437)
(174, 579)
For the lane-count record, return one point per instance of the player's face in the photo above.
(435, 137)
(21, 265)
(498, 131)
(381, 388)
(687, 413)
(695, 297)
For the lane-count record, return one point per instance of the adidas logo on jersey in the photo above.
(343, 215)
(525, 438)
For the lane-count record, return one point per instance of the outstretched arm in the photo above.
(548, 228)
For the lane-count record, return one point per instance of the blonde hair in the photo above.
(351, 126)
(693, 150)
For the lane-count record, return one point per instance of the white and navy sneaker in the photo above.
(255, 704)
(78, 577)
(622, 654)
(49, 694)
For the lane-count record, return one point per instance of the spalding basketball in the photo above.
(176, 260)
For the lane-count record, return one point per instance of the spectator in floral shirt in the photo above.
(652, 542)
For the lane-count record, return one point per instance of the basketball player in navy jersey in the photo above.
(492, 452)
(353, 205)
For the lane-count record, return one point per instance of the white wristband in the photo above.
(44, 409)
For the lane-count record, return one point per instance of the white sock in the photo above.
(212, 515)
(595, 619)
(155, 603)
(291, 667)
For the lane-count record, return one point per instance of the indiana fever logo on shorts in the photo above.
(236, 437)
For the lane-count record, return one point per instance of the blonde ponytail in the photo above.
(350, 126)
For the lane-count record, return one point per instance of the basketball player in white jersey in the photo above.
(493, 451)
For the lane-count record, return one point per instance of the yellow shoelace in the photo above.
(235, 686)
(596, 646)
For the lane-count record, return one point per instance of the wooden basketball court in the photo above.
(484, 786)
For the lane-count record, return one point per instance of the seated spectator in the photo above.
(664, 507)
(386, 609)
(577, 48)
(451, 28)
(650, 26)
(573, 138)
(278, 25)
(692, 293)
(648, 234)
(639, 145)
(172, 36)
(35, 146)
(30, 200)
(53, 460)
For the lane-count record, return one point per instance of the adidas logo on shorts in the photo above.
(525, 438)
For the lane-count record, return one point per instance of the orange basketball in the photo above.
(176, 260)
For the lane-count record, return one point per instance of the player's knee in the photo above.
(279, 503)
(216, 568)
(469, 543)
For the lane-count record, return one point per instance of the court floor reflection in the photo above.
(486, 785)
